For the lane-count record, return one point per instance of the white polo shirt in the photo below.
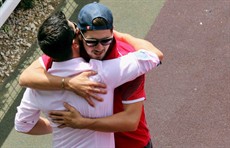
(113, 73)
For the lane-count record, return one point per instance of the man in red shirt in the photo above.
(128, 121)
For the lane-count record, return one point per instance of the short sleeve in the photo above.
(133, 91)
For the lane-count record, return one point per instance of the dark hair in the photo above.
(55, 37)
(99, 22)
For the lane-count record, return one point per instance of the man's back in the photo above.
(53, 100)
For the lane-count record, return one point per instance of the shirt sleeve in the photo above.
(133, 91)
(126, 68)
(27, 113)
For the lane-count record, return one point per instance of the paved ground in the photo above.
(188, 95)
(191, 100)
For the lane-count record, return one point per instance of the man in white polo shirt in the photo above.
(56, 38)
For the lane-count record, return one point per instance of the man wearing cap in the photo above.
(95, 23)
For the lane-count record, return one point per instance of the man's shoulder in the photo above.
(123, 48)
(118, 48)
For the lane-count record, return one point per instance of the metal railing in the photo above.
(6, 8)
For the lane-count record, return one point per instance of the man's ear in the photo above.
(75, 43)
(77, 31)
(79, 34)
(80, 37)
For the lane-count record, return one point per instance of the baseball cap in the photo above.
(91, 11)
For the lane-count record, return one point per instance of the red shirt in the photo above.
(129, 91)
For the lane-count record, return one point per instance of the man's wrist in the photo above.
(87, 123)
(65, 83)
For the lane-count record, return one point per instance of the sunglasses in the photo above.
(75, 25)
(94, 42)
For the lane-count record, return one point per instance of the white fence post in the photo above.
(6, 9)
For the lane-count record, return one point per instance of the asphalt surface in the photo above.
(188, 99)
(188, 96)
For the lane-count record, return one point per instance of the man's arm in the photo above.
(138, 43)
(127, 120)
(35, 76)
(42, 127)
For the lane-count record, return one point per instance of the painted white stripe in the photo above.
(6, 9)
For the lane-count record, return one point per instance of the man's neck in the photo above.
(76, 54)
